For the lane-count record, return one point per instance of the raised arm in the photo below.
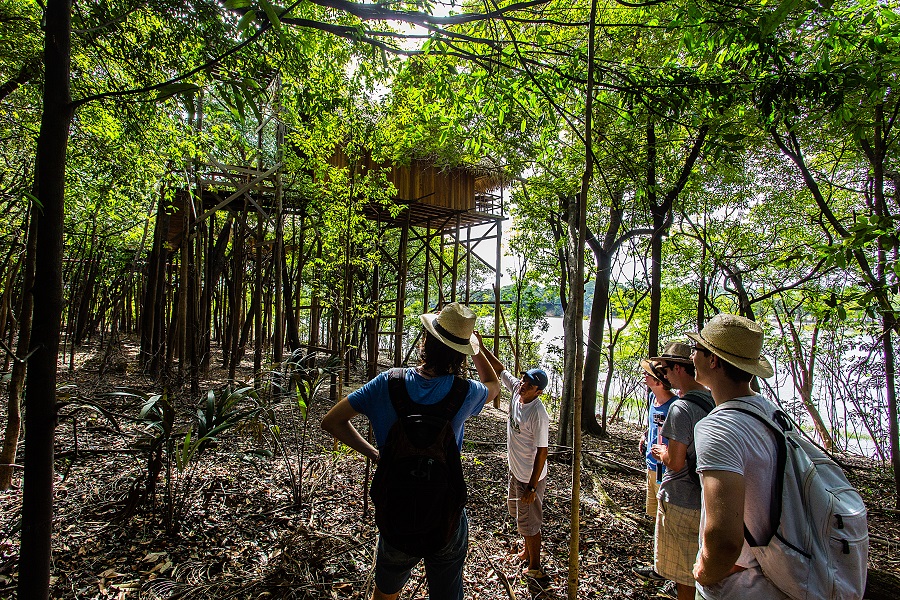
(495, 362)
(486, 372)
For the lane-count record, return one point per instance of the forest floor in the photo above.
(241, 535)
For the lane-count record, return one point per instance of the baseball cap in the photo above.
(538, 377)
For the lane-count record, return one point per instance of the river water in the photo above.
(633, 409)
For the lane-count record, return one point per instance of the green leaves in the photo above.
(177, 88)
(768, 22)
(246, 20)
(271, 13)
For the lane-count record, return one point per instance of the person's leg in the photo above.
(379, 595)
(676, 546)
(392, 568)
(444, 569)
(651, 503)
(530, 519)
(533, 549)
(515, 489)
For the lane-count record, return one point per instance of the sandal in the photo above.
(536, 574)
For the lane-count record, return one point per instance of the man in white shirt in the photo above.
(527, 437)
(736, 458)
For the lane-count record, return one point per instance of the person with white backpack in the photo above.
(778, 517)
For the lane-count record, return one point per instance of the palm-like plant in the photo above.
(297, 384)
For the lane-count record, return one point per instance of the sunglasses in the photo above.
(698, 348)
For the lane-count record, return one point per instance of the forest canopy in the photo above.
(203, 176)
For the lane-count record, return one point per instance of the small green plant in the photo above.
(177, 448)
(296, 384)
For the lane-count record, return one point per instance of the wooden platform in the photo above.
(439, 199)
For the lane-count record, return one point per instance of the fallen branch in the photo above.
(882, 540)
(610, 464)
(607, 501)
(500, 574)
(881, 585)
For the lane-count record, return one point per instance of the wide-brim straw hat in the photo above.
(676, 352)
(652, 369)
(736, 340)
(454, 326)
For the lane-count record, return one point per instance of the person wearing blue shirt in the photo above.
(447, 340)
(661, 398)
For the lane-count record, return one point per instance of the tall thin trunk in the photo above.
(257, 302)
(575, 315)
(658, 214)
(40, 383)
(876, 153)
(236, 297)
(17, 379)
(891, 396)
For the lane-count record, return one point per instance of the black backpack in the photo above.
(418, 488)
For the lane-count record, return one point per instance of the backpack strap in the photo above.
(704, 402)
(779, 429)
(445, 409)
(400, 399)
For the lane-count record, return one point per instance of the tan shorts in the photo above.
(676, 543)
(529, 517)
(652, 491)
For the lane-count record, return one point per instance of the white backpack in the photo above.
(821, 545)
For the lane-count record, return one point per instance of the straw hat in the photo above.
(676, 352)
(454, 326)
(736, 340)
(652, 369)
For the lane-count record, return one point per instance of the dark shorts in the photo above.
(443, 569)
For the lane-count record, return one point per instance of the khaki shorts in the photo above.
(652, 491)
(529, 517)
(676, 543)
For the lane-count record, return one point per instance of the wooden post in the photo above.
(372, 326)
(400, 309)
(278, 253)
(469, 265)
(440, 260)
(426, 306)
(183, 276)
(258, 292)
(454, 274)
(499, 255)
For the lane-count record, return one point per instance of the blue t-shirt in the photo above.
(374, 401)
(656, 418)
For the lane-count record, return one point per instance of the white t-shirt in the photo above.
(527, 429)
(729, 440)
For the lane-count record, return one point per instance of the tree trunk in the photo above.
(603, 254)
(40, 383)
(153, 312)
(290, 316)
(259, 336)
(594, 352)
(17, 379)
(574, 317)
(86, 298)
(658, 214)
(216, 265)
(891, 397)
(802, 370)
(233, 324)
